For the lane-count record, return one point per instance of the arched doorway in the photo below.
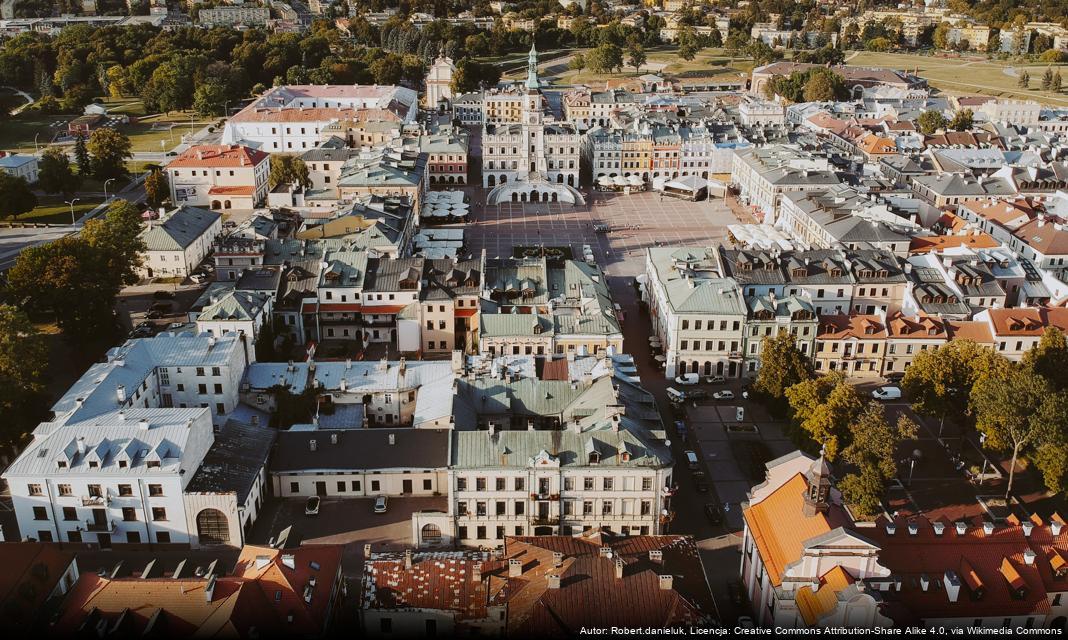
(708, 368)
(555, 197)
(523, 197)
(571, 180)
(504, 178)
(459, 179)
(560, 178)
(226, 204)
(430, 534)
(213, 527)
(450, 179)
(491, 180)
(515, 197)
(215, 204)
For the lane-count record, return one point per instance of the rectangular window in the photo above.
(64, 490)
(125, 490)
(519, 484)
(294, 487)
(159, 514)
(34, 489)
(70, 513)
(129, 514)
(461, 484)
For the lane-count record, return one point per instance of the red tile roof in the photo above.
(232, 191)
(865, 327)
(272, 591)
(218, 155)
(1028, 321)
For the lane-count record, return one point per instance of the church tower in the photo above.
(533, 119)
(439, 82)
(818, 496)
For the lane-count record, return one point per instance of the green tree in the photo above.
(209, 99)
(1047, 79)
(1050, 455)
(387, 69)
(117, 237)
(605, 58)
(940, 37)
(1024, 80)
(1055, 86)
(81, 156)
(265, 344)
(689, 45)
(16, 197)
(23, 370)
(577, 62)
(55, 175)
(635, 54)
(939, 381)
(874, 441)
(1049, 357)
(930, 122)
(1008, 414)
(962, 120)
(157, 189)
(109, 150)
(823, 409)
(69, 279)
(823, 84)
(782, 365)
(288, 169)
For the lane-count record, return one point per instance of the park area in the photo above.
(966, 75)
(664, 60)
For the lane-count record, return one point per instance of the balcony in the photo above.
(101, 527)
(545, 496)
(545, 520)
(95, 501)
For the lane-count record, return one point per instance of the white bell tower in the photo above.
(439, 81)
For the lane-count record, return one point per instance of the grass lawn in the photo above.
(965, 76)
(144, 138)
(127, 106)
(16, 134)
(662, 60)
(52, 209)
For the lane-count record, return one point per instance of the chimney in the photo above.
(344, 385)
(605, 552)
(81, 445)
(392, 438)
(952, 583)
(142, 424)
(120, 393)
(333, 438)
(962, 527)
(666, 581)
(1029, 557)
(408, 559)
(366, 551)
(476, 572)
(656, 556)
(289, 561)
(209, 589)
(515, 568)
(558, 558)
(619, 568)
(312, 445)
(554, 581)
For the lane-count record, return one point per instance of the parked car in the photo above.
(675, 395)
(723, 395)
(715, 379)
(895, 376)
(688, 379)
(692, 463)
(207, 267)
(696, 394)
(700, 482)
(381, 504)
(311, 507)
(162, 305)
(176, 325)
(163, 294)
(888, 392)
(680, 428)
(198, 278)
(712, 512)
(154, 314)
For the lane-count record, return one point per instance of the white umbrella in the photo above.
(620, 181)
(635, 181)
(604, 181)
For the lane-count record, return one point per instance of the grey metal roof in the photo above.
(179, 229)
(359, 449)
(234, 461)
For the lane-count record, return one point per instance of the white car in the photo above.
(688, 378)
(311, 507)
(723, 395)
(381, 504)
(888, 392)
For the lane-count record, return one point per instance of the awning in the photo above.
(620, 181)
(465, 313)
(604, 181)
(635, 181)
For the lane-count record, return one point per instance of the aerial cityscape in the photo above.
(533, 319)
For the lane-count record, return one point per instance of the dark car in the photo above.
(163, 294)
(680, 428)
(162, 306)
(712, 512)
(154, 314)
(696, 394)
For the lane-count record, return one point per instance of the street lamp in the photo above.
(106, 188)
(71, 203)
(982, 441)
(36, 149)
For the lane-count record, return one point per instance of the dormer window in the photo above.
(595, 457)
(93, 464)
(836, 272)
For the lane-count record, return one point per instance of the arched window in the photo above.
(430, 534)
(213, 527)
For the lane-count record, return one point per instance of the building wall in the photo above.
(359, 483)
